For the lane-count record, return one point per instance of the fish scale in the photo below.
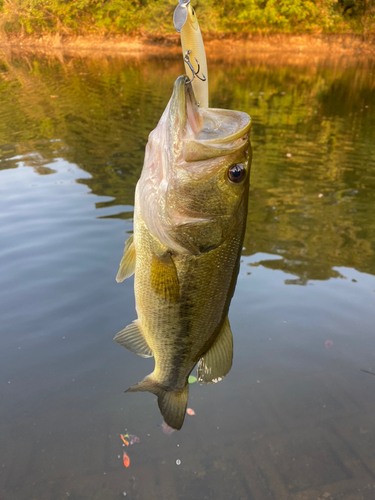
(187, 325)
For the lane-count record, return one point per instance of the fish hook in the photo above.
(195, 73)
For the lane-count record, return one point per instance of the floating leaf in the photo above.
(192, 379)
(133, 439)
(123, 437)
(126, 460)
(190, 411)
(166, 429)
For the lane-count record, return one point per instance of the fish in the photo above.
(189, 222)
(186, 23)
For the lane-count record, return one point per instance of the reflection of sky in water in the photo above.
(293, 417)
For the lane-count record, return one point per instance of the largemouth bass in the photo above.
(189, 223)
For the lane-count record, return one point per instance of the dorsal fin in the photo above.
(217, 361)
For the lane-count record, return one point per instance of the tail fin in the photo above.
(172, 404)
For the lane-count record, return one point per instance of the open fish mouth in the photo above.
(206, 132)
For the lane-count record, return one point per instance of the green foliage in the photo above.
(77, 16)
(285, 16)
(155, 16)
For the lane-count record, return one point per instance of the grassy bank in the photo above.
(154, 17)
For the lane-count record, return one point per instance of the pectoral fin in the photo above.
(217, 361)
(132, 339)
(127, 264)
(164, 279)
(172, 404)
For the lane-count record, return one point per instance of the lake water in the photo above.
(294, 419)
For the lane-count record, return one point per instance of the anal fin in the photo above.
(217, 361)
(133, 340)
(127, 264)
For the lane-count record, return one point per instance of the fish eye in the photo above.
(236, 172)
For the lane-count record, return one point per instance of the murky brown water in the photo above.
(294, 419)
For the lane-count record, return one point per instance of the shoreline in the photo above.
(220, 46)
